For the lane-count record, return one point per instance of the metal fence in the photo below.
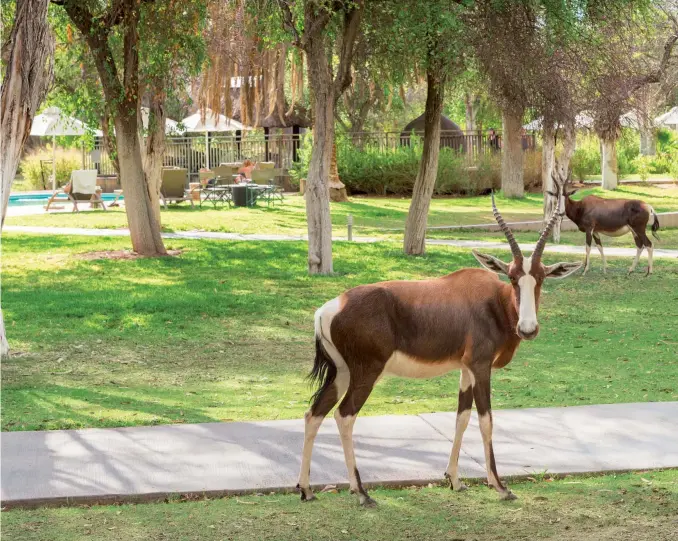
(191, 152)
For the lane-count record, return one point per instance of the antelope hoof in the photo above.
(460, 487)
(367, 502)
(306, 494)
(508, 496)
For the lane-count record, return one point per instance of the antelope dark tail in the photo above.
(655, 224)
(324, 371)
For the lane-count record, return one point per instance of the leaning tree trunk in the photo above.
(609, 163)
(548, 156)
(512, 154)
(417, 217)
(27, 77)
(154, 151)
(28, 74)
(471, 104)
(317, 182)
(143, 227)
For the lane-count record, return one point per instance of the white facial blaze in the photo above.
(527, 316)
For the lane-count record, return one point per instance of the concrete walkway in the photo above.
(197, 235)
(127, 464)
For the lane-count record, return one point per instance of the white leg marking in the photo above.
(635, 261)
(650, 251)
(311, 427)
(465, 382)
(345, 425)
(485, 422)
(602, 256)
(588, 259)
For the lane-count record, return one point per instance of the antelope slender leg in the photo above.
(463, 415)
(587, 261)
(639, 250)
(345, 416)
(313, 419)
(481, 394)
(650, 253)
(600, 249)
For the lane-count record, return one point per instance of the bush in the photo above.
(586, 158)
(372, 170)
(40, 178)
(642, 164)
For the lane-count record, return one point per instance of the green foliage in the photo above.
(586, 158)
(643, 165)
(37, 175)
(371, 169)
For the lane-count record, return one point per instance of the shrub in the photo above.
(586, 158)
(39, 178)
(642, 165)
(373, 170)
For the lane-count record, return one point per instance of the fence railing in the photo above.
(191, 153)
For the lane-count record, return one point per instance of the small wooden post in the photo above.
(349, 223)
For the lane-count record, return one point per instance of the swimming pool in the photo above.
(24, 199)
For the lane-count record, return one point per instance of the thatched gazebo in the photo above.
(451, 135)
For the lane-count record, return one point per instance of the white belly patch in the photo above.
(618, 233)
(401, 364)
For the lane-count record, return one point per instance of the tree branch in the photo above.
(352, 21)
(288, 22)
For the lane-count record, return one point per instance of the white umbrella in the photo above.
(53, 122)
(582, 120)
(669, 119)
(171, 126)
(213, 122)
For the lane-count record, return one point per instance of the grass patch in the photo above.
(370, 214)
(638, 506)
(224, 332)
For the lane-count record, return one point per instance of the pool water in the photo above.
(24, 199)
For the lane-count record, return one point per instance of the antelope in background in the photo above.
(595, 215)
(468, 320)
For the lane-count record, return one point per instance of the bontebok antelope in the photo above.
(612, 217)
(469, 320)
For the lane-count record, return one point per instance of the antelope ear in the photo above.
(491, 263)
(561, 270)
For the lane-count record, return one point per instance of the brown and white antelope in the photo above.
(468, 320)
(612, 217)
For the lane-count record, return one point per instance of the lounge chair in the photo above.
(82, 187)
(173, 188)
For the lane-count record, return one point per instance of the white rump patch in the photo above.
(403, 365)
(323, 320)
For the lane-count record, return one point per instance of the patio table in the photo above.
(245, 195)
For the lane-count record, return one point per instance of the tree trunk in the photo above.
(471, 103)
(609, 163)
(109, 138)
(561, 167)
(337, 187)
(417, 217)
(144, 229)
(317, 182)
(28, 74)
(648, 141)
(512, 154)
(155, 150)
(548, 156)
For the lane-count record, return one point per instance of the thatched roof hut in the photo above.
(451, 135)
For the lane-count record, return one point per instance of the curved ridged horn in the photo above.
(539, 248)
(515, 249)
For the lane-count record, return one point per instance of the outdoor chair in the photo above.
(83, 187)
(218, 189)
(270, 191)
(173, 187)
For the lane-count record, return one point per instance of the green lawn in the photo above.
(371, 215)
(668, 238)
(224, 332)
(639, 506)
